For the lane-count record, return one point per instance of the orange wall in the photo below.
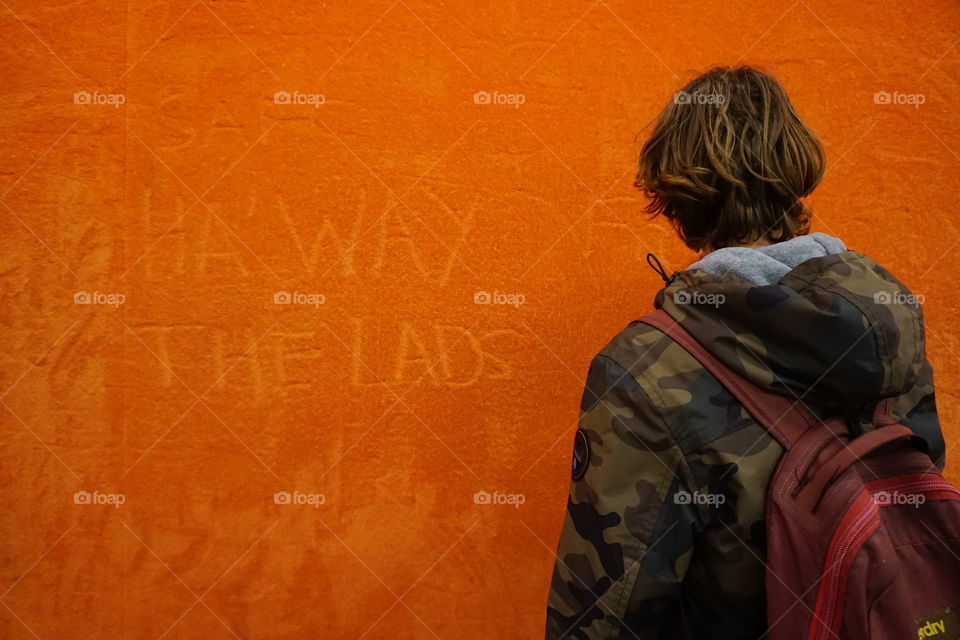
(397, 199)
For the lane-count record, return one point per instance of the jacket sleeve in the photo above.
(627, 536)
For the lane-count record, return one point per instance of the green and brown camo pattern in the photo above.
(664, 534)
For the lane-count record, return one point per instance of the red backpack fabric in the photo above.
(863, 533)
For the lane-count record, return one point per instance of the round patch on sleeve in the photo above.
(581, 454)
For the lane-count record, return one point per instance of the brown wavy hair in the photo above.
(728, 161)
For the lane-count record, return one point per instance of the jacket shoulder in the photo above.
(668, 385)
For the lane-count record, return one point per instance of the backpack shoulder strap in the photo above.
(785, 419)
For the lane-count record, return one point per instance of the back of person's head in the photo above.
(728, 161)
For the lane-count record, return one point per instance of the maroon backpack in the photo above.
(863, 533)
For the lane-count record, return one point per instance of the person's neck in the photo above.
(762, 241)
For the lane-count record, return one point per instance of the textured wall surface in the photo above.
(185, 192)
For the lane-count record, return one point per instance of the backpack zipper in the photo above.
(825, 614)
(854, 532)
(925, 486)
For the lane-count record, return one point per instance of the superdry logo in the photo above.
(939, 625)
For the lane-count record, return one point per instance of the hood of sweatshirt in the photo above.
(810, 319)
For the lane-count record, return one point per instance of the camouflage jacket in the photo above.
(664, 531)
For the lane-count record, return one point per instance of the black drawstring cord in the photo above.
(654, 263)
